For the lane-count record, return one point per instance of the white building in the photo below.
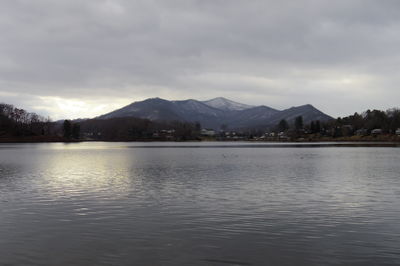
(208, 132)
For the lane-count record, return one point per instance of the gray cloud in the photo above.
(341, 56)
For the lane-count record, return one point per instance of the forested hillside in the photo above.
(15, 122)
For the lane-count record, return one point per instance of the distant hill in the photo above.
(308, 112)
(216, 112)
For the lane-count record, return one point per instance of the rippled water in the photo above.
(198, 204)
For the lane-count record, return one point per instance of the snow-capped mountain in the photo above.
(227, 105)
(215, 113)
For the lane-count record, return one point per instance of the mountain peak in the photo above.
(155, 99)
(226, 104)
(219, 99)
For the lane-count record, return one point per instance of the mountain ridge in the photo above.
(216, 112)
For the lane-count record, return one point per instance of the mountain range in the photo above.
(216, 112)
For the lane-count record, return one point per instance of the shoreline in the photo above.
(257, 143)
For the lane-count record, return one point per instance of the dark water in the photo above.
(145, 204)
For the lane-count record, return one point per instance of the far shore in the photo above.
(384, 140)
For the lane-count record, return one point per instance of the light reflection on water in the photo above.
(140, 204)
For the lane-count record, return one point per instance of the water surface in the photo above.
(199, 204)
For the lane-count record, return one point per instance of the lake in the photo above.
(199, 204)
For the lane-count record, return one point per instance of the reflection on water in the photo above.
(198, 204)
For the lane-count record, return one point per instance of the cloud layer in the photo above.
(71, 58)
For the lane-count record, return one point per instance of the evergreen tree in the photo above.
(76, 131)
(67, 129)
(283, 125)
(312, 127)
(298, 123)
(317, 127)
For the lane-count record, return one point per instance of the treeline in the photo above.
(364, 124)
(15, 122)
(131, 129)
(386, 121)
(19, 125)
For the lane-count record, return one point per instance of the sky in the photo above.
(78, 59)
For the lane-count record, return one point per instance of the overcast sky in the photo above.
(74, 58)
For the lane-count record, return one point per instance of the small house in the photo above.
(361, 132)
(376, 131)
(207, 132)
